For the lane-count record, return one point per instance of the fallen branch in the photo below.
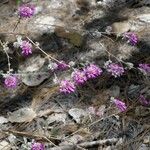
(99, 142)
(31, 135)
(65, 147)
(87, 144)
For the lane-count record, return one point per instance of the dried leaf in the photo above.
(57, 117)
(22, 115)
(3, 120)
(77, 114)
(4, 145)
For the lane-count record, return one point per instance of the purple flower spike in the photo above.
(144, 101)
(26, 11)
(67, 87)
(62, 65)
(145, 68)
(131, 37)
(37, 146)
(120, 105)
(92, 71)
(116, 70)
(26, 48)
(79, 77)
(11, 81)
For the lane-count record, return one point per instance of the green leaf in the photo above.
(17, 2)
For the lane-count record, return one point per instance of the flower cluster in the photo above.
(37, 146)
(92, 71)
(131, 37)
(79, 77)
(11, 81)
(116, 70)
(26, 11)
(26, 48)
(119, 104)
(67, 87)
(145, 68)
(62, 65)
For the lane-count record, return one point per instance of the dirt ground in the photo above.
(75, 31)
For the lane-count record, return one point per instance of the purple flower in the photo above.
(26, 48)
(92, 71)
(26, 11)
(144, 101)
(66, 87)
(79, 77)
(119, 104)
(145, 68)
(11, 81)
(116, 70)
(62, 65)
(37, 146)
(131, 37)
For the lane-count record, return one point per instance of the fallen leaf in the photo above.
(4, 145)
(22, 115)
(3, 120)
(77, 114)
(33, 71)
(120, 27)
(61, 117)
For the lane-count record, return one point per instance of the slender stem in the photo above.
(43, 51)
(16, 24)
(13, 33)
(29, 73)
(8, 58)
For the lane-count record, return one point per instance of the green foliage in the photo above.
(18, 2)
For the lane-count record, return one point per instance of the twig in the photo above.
(29, 73)
(43, 51)
(65, 147)
(13, 33)
(136, 139)
(99, 142)
(16, 24)
(100, 120)
(87, 144)
(3, 2)
(31, 135)
(88, 125)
